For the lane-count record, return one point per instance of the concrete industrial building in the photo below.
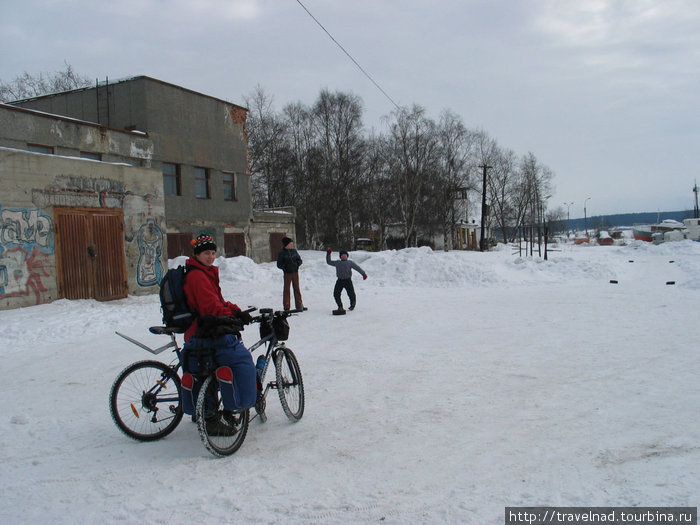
(166, 161)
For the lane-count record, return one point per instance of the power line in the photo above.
(348, 54)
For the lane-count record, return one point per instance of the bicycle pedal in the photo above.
(260, 409)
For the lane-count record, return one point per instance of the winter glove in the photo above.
(364, 277)
(244, 317)
(329, 251)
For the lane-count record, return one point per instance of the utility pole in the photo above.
(695, 190)
(482, 241)
(568, 220)
(585, 219)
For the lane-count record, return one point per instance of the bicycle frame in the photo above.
(272, 343)
(266, 316)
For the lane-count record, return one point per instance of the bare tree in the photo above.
(456, 152)
(503, 192)
(537, 187)
(377, 198)
(319, 160)
(27, 86)
(265, 146)
(413, 161)
(556, 219)
(338, 119)
(486, 151)
(306, 173)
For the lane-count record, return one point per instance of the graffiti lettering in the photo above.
(26, 241)
(68, 182)
(26, 228)
(81, 191)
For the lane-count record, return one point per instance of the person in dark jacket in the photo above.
(343, 271)
(203, 293)
(288, 260)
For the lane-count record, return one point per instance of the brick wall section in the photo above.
(239, 117)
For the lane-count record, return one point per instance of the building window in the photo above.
(171, 179)
(38, 148)
(201, 183)
(229, 180)
(90, 155)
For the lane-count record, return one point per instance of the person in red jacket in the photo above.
(202, 288)
(204, 297)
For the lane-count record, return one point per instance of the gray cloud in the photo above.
(603, 92)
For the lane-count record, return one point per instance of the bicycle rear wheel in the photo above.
(145, 400)
(222, 431)
(290, 385)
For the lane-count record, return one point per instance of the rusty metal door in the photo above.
(90, 261)
(179, 244)
(275, 244)
(234, 244)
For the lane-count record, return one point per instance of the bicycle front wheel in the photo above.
(222, 431)
(145, 400)
(290, 385)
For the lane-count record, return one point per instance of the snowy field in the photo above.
(462, 383)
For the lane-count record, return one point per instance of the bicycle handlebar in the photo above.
(269, 312)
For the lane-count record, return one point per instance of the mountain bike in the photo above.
(274, 330)
(146, 398)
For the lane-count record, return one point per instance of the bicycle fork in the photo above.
(265, 387)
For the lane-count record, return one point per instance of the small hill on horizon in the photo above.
(628, 219)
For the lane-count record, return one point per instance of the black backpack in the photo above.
(173, 303)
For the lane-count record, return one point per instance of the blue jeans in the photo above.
(228, 351)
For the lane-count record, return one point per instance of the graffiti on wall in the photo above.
(79, 191)
(149, 270)
(26, 241)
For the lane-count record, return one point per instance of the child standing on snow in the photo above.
(343, 271)
(288, 260)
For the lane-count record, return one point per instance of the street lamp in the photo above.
(545, 225)
(585, 221)
(544, 210)
(482, 241)
(568, 220)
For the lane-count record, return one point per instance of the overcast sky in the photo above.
(605, 93)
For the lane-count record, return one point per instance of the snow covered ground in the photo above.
(462, 383)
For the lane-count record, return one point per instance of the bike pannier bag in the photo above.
(281, 327)
(265, 328)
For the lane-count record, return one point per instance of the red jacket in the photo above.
(203, 294)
